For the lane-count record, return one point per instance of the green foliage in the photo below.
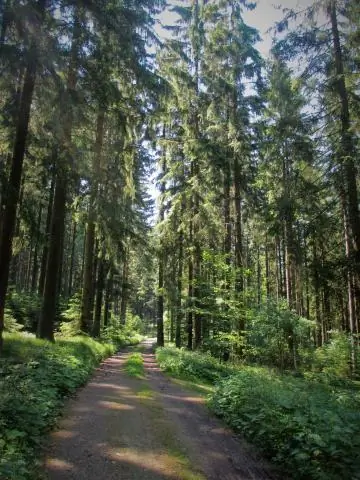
(221, 343)
(121, 335)
(10, 323)
(24, 308)
(71, 316)
(35, 376)
(276, 334)
(134, 365)
(304, 426)
(333, 358)
(192, 365)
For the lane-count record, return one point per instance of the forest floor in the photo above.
(147, 428)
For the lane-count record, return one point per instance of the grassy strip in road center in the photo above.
(134, 365)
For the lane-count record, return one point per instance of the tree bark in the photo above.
(48, 311)
(47, 229)
(349, 195)
(87, 297)
(99, 297)
(108, 298)
(14, 183)
(160, 291)
(72, 260)
(179, 294)
(124, 288)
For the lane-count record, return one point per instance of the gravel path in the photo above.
(120, 427)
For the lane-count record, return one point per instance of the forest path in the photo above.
(121, 427)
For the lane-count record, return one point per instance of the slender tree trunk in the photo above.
(5, 21)
(267, 269)
(190, 293)
(48, 311)
(348, 192)
(99, 297)
(179, 294)
(15, 259)
(258, 276)
(14, 183)
(9, 158)
(239, 264)
(197, 298)
(72, 260)
(47, 229)
(160, 291)
(35, 267)
(108, 298)
(124, 288)
(87, 297)
(320, 338)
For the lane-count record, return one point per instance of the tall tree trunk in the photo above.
(5, 21)
(15, 259)
(197, 297)
(47, 228)
(239, 263)
(179, 293)
(35, 267)
(124, 288)
(267, 269)
(87, 297)
(99, 297)
(190, 293)
(48, 311)
(160, 291)
(72, 260)
(108, 298)
(349, 192)
(14, 183)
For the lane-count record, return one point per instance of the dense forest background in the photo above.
(255, 254)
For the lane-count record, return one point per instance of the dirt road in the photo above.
(120, 427)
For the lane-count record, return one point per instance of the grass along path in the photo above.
(131, 422)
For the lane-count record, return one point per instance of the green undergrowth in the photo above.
(308, 425)
(192, 366)
(35, 377)
(134, 365)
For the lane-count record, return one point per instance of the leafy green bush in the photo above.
(225, 344)
(276, 335)
(24, 308)
(10, 323)
(35, 376)
(192, 365)
(71, 317)
(304, 426)
(333, 358)
(120, 335)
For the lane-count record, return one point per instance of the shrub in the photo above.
(120, 335)
(24, 308)
(304, 426)
(10, 323)
(276, 335)
(333, 358)
(192, 365)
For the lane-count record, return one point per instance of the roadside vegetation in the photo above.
(36, 376)
(307, 422)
